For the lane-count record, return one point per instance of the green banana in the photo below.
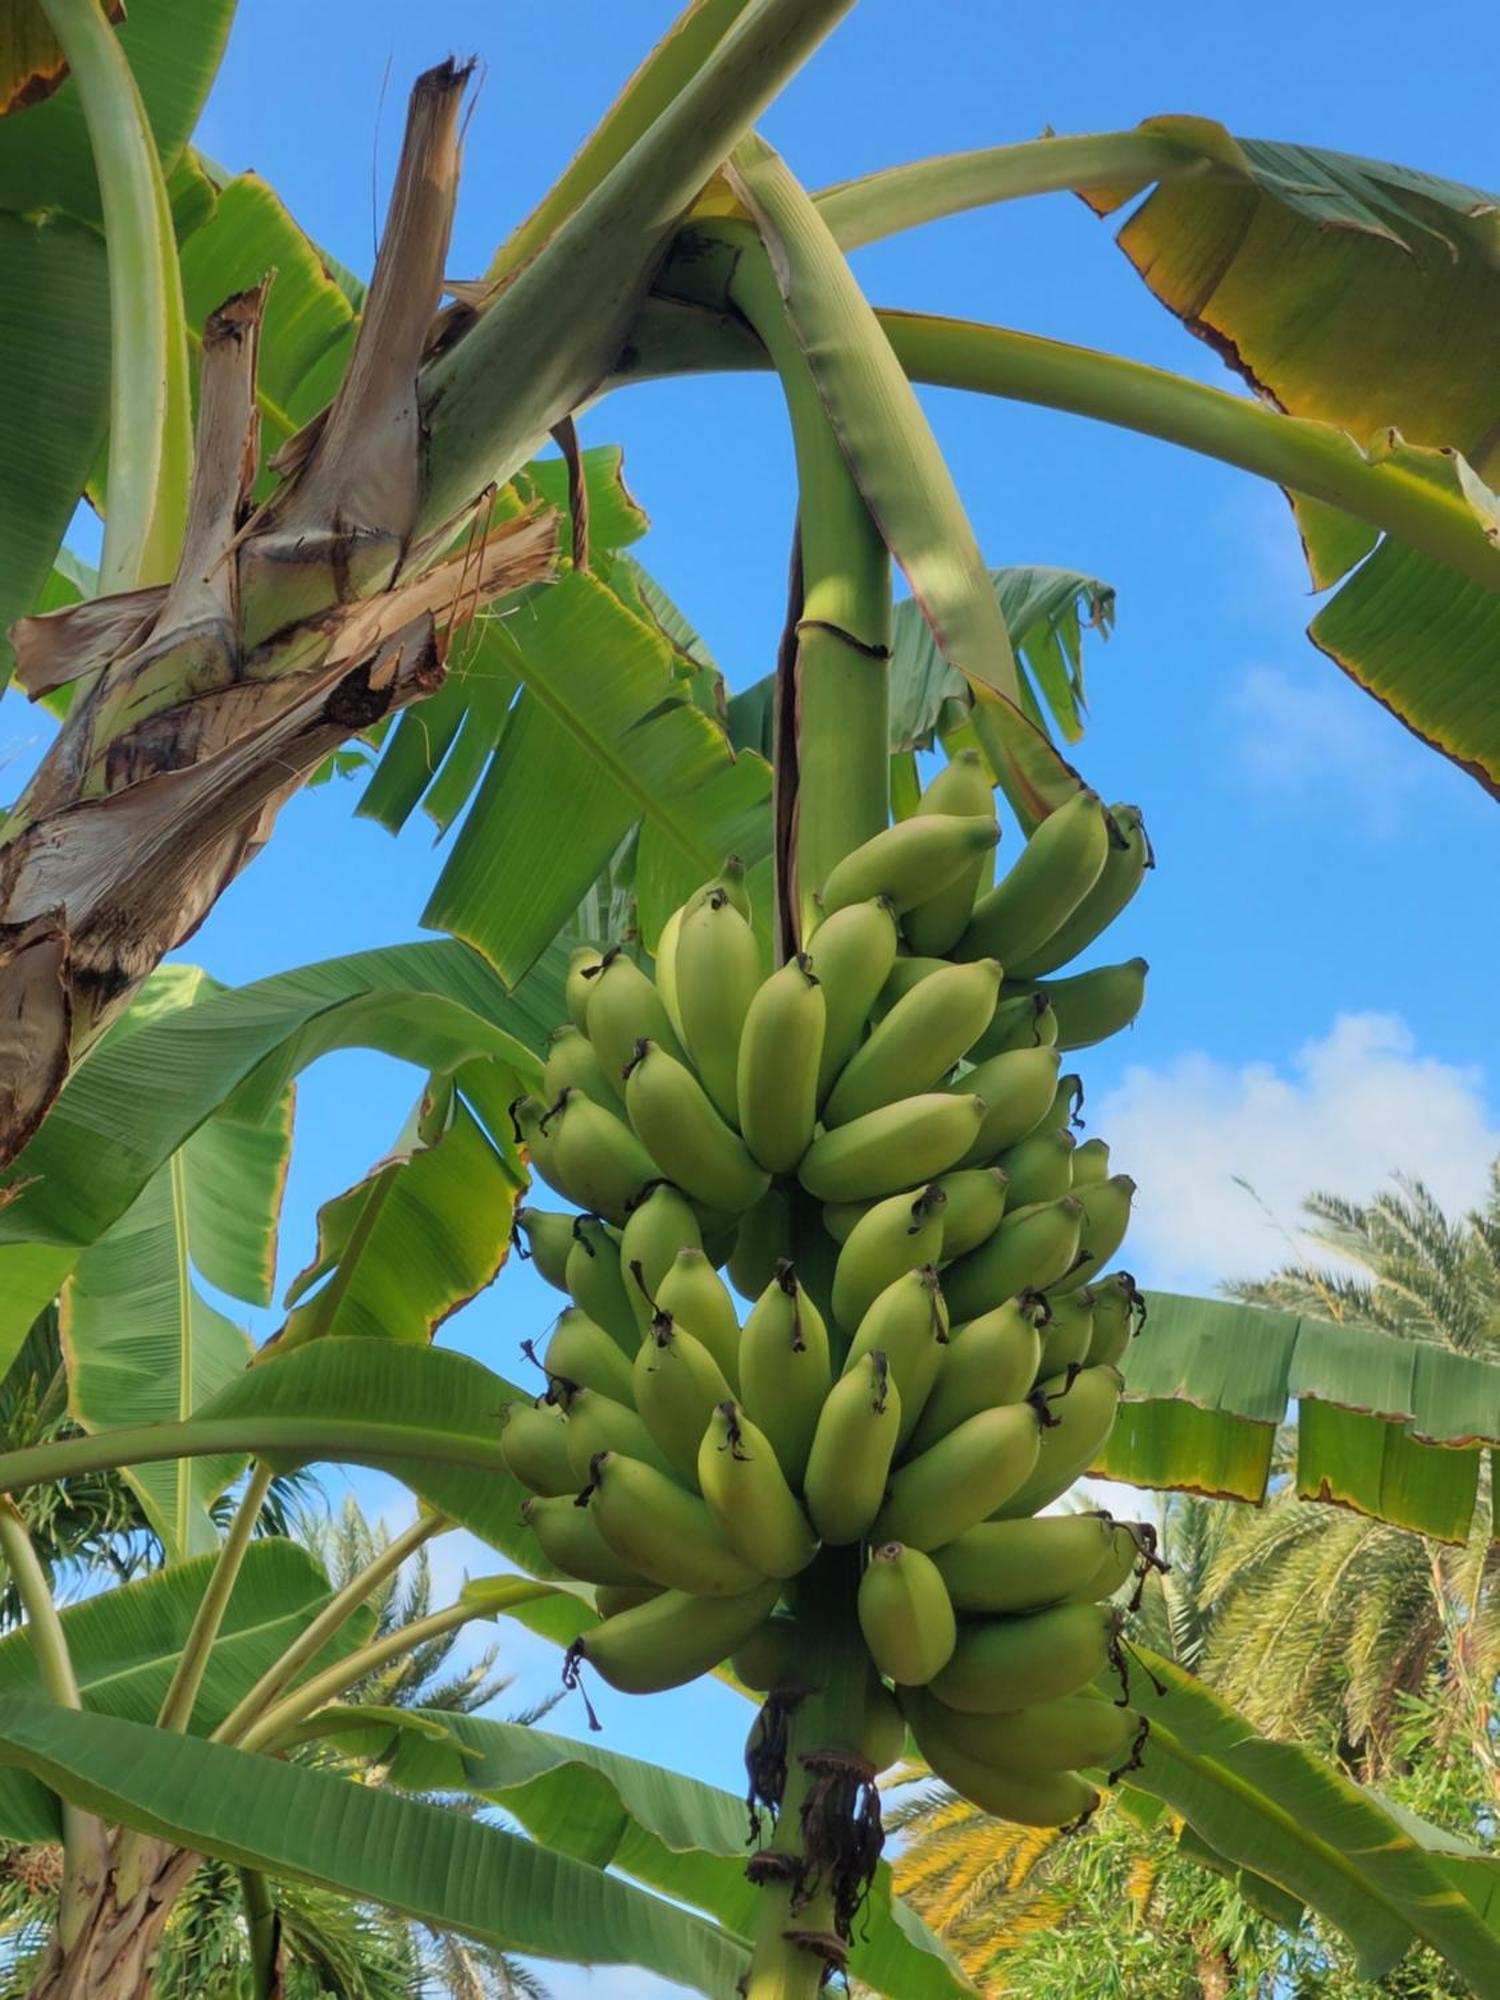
(1066, 1338)
(1090, 1162)
(909, 862)
(962, 1478)
(1067, 1104)
(573, 1065)
(839, 1217)
(1132, 1544)
(673, 1638)
(882, 1734)
(1106, 1217)
(899, 1146)
(918, 1042)
(906, 976)
(1025, 1565)
(676, 1385)
(1018, 1089)
(1021, 1021)
(533, 1132)
(576, 987)
(549, 1239)
(1124, 868)
(655, 1230)
(774, 1655)
(976, 1198)
(1092, 1006)
(853, 953)
(612, 1597)
(1060, 863)
(988, 1363)
(598, 1282)
(852, 1449)
(685, 1136)
(781, 1047)
(598, 1423)
(908, 1324)
(534, 1447)
(899, 1234)
(1030, 1250)
(905, 1615)
(584, 1354)
(962, 787)
(570, 1540)
(1083, 1415)
(624, 1008)
(1008, 1663)
(1040, 1167)
(664, 968)
(1071, 1732)
(665, 1533)
(762, 1241)
(1119, 1310)
(743, 1483)
(602, 1163)
(785, 1369)
(1060, 1798)
(698, 1299)
(717, 972)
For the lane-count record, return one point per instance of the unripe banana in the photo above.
(851, 1453)
(573, 1065)
(781, 1047)
(603, 1165)
(534, 1131)
(1074, 1732)
(685, 1136)
(966, 1475)
(610, 1598)
(583, 1354)
(664, 1532)
(763, 1240)
(1106, 1217)
(598, 1423)
(570, 1540)
(853, 953)
(1066, 1337)
(1119, 1311)
(1021, 1021)
(918, 1042)
(1008, 1663)
(1067, 1104)
(549, 1238)
(908, 1324)
(882, 1734)
(774, 1655)
(987, 1363)
(1030, 1250)
(1060, 863)
(698, 1300)
(905, 1615)
(1092, 1006)
(1025, 1565)
(598, 1282)
(717, 972)
(962, 787)
(1132, 1543)
(1090, 1162)
(906, 975)
(576, 988)
(534, 1447)
(673, 1638)
(745, 1486)
(677, 1384)
(624, 1008)
(1018, 1089)
(839, 1217)
(910, 861)
(1125, 865)
(656, 1229)
(1083, 1415)
(1061, 1798)
(897, 1235)
(899, 1146)
(977, 1198)
(664, 970)
(785, 1369)
(1040, 1168)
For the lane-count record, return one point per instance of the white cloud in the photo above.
(1344, 1114)
(1317, 737)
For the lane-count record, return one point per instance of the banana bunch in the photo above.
(875, 1140)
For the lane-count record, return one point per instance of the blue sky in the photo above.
(1320, 1009)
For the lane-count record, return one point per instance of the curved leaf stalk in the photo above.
(150, 422)
(177, 1704)
(264, 1929)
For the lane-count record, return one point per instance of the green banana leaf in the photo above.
(1392, 1428)
(125, 1643)
(362, 1841)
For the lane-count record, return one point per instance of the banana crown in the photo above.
(875, 1139)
